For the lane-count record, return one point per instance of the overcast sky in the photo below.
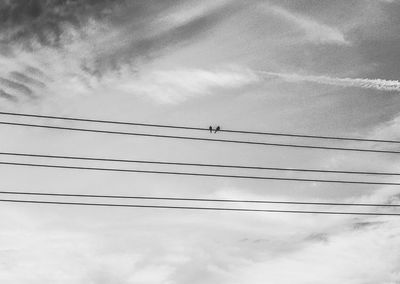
(311, 67)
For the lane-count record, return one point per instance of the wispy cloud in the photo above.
(18, 87)
(346, 259)
(86, 41)
(220, 249)
(314, 31)
(191, 11)
(7, 96)
(377, 84)
(44, 22)
(172, 86)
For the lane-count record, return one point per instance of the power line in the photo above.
(198, 174)
(199, 138)
(199, 208)
(199, 128)
(194, 164)
(197, 199)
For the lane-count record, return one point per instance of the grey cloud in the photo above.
(25, 79)
(17, 87)
(327, 11)
(386, 52)
(364, 225)
(373, 28)
(317, 237)
(133, 32)
(7, 96)
(133, 47)
(36, 72)
(22, 20)
(314, 31)
(105, 276)
(26, 82)
(44, 21)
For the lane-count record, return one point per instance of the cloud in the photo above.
(76, 42)
(44, 22)
(54, 72)
(172, 86)
(16, 87)
(353, 257)
(165, 247)
(7, 96)
(377, 84)
(26, 79)
(191, 11)
(19, 80)
(104, 70)
(154, 36)
(59, 72)
(314, 31)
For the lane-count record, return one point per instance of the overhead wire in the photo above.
(198, 165)
(98, 159)
(198, 174)
(220, 200)
(199, 208)
(199, 138)
(197, 128)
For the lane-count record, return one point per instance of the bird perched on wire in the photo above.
(217, 129)
(211, 129)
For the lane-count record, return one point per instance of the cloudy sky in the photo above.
(304, 66)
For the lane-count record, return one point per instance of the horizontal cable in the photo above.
(199, 138)
(194, 164)
(198, 208)
(199, 128)
(198, 174)
(30, 193)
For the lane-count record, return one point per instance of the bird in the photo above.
(210, 128)
(217, 129)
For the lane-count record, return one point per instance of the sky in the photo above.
(305, 66)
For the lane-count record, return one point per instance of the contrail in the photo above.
(377, 84)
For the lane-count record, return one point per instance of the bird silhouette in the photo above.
(210, 128)
(217, 129)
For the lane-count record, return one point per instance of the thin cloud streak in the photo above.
(377, 84)
(314, 31)
(17, 87)
(173, 86)
(7, 96)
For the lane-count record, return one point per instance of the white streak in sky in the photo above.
(377, 84)
(172, 86)
(314, 31)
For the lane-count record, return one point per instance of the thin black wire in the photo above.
(194, 164)
(199, 138)
(197, 199)
(199, 128)
(198, 208)
(198, 174)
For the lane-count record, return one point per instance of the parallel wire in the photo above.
(30, 193)
(198, 174)
(198, 128)
(199, 208)
(199, 138)
(194, 164)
